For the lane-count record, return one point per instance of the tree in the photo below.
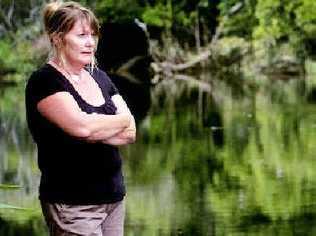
(241, 23)
(18, 13)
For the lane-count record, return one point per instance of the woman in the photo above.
(77, 119)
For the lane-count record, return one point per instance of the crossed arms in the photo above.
(62, 110)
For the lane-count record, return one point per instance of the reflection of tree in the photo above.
(174, 156)
(260, 181)
(193, 173)
(274, 178)
(17, 156)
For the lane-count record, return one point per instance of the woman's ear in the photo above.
(56, 40)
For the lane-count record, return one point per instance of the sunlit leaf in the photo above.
(7, 206)
(9, 186)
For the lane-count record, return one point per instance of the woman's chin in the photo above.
(85, 62)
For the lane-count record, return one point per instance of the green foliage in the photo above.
(272, 22)
(306, 17)
(16, 59)
(158, 15)
(268, 23)
(118, 10)
(21, 26)
(275, 18)
(240, 23)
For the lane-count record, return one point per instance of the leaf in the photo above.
(7, 206)
(9, 186)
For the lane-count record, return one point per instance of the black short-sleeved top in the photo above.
(73, 171)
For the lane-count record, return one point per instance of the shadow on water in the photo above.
(311, 95)
(136, 95)
(115, 53)
(120, 42)
(211, 117)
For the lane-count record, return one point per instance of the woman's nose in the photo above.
(90, 41)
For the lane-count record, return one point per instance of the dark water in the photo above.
(238, 160)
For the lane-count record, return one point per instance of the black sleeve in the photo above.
(111, 88)
(41, 85)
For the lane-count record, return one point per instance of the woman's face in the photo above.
(79, 44)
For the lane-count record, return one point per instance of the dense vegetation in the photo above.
(278, 24)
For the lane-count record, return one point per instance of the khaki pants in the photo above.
(87, 220)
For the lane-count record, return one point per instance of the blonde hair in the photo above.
(59, 18)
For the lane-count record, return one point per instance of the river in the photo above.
(235, 160)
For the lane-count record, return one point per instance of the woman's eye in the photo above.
(83, 35)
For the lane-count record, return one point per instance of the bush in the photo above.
(15, 58)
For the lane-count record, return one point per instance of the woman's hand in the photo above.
(128, 135)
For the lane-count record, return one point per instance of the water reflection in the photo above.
(204, 164)
(135, 93)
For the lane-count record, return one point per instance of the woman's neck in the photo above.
(71, 69)
(72, 73)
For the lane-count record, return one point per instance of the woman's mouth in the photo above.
(87, 53)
